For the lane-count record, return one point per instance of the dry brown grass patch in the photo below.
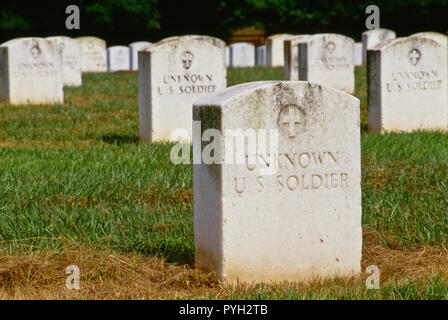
(107, 275)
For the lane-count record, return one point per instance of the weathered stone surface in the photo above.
(242, 54)
(71, 60)
(371, 38)
(261, 55)
(274, 50)
(134, 48)
(328, 59)
(291, 48)
(173, 74)
(298, 220)
(31, 72)
(407, 85)
(118, 58)
(93, 54)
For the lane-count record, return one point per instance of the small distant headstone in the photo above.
(31, 72)
(285, 213)
(371, 38)
(173, 74)
(291, 48)
(134, 48)
(242, 54)
(118, 58)
(93, 54)
(358, 54)
(328, 59)
(261, 55)
(71, 60)
(407, 85)
(274, 50)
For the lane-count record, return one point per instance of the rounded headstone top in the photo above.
(393, 42)
(230, 93)
(380, 30)
(438, 37)
(96, 39)
(280, 35)
(212, 40)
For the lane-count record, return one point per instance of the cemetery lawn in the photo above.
(77, 187)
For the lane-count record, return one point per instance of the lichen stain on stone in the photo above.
(284, 94)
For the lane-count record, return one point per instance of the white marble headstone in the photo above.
(173, 74)
(371, 38)
(328, 59)
(134, 48)
(292, 213)
(261, 55)
(242, 54)
(291, 48)
(118, 58)
(71, 60)
(407, 85)
(93, 54)
(274, 50)
(31, 71)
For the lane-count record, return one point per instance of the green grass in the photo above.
(76, 174)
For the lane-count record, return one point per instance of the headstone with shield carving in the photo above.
(93, 54)
(328, 59)
(173, 73)
(31, 72)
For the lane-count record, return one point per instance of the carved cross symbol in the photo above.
(414, 56)
(292, 119)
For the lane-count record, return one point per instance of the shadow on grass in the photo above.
(119, 139)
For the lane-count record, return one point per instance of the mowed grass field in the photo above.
(78, 188)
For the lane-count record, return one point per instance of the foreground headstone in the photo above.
(328, 59)
(71, 60)
(407, 85)
(358, 53)
(93, 54)
(134, 48)
(118, 58)
(227, 56)
(274, 50)
(300, 222)
(31, 72)
(371, 38)
(173, 74)
(242, 54)
(291, 48)
(261, 55)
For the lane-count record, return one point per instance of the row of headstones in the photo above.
(293, 212)
(279, 50)
(244, 54)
